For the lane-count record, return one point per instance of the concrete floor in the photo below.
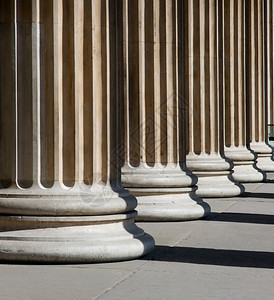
(228, 255)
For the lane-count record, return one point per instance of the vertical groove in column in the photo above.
(240, 72)
(260, 132)
(157, 79)
(8, 92)
(190, 74)
(202, 28)
(88, 97)
(150, 124)
(24, 86)
(108, 93)
(16, 158)
(46, 57)
(58, 90)
(126, 82)
(178, 77)
(142, 78)
(97, 90)
(252, 71)
(79, 89)
(100, 92)
(68, 93)
(36, 111)
(213, 75)
(170, 82)
(232, 72)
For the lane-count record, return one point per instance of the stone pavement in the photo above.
(228, 255)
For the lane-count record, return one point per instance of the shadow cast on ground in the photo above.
(217, 257)
(268, 181)
(258, 195)
(240, 218)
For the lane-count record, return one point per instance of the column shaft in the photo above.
(205, 147)
(257, 84)
(234, 93)
(270, 70)
(153, 170)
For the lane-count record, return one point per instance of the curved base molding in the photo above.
(214, 176)
(247, 172)
(265, 162)
(264, 153)
(164, 193)
(98, 199)
(144, 176)
(84, 239)
(169, 204)
(217, 185)
(244, 169)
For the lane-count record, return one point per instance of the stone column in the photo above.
(205, 141)
(61, 199)
(270, 70)
(153, 170)
(256, 87)
(234, 93)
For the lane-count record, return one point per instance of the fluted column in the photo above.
(234, 93)
(257, 88)
(153, 170)
(205, 145)
(270, 70)
(61, 198)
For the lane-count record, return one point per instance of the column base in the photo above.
(59, 200)
(217, 185)
(164, 193)
(265, 162)
(264, 153)
(214, 176)
(81, 239)
(247, 173)
(244, 169)
(169, 204)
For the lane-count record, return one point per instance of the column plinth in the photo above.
(244, 161)
(214, 175)
(205, 156)
(61, 199)
(264, 155)
(79, 239)
(154, 170)
(164, 193)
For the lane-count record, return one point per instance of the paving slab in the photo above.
(55, 282)
(162, 234)
(173, 280)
